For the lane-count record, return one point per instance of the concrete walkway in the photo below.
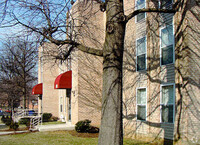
(13, 132)
(54, 127)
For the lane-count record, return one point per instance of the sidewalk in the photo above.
(13, 132)
(54, 127)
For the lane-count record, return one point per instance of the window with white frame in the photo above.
(141, 104)
(167, 104)
(140, 4)
(167, 45)
(141, 53)
(164, 4)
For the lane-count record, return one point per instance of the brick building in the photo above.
(161, 71)
(71, 89)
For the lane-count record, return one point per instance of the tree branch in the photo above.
(136, 12)
(81, 47)
(89, 50)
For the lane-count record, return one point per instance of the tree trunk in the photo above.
(111, 130)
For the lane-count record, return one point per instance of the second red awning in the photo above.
(63, 81)
(37, 89)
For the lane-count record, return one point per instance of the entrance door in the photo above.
(69, 104)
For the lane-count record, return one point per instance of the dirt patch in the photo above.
(84, 135)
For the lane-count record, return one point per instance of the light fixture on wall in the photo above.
(73, 92)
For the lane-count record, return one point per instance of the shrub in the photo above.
(83, 126)
(46, 117)
(93, 129)
(7, 120)
(25, 121)
(14, 125)
(3, 119)
(54, 118)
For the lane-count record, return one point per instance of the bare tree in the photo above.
(18, 62)
(48, 19)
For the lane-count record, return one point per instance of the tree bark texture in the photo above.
(111, 130)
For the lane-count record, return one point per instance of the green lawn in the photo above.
(53, 122)
(23, 126)
(52, 138)
(0, 120)
(4, 127)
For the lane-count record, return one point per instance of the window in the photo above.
(140, 4)
(141, 104)
(165, 4)
(61, 104)
(61, 107)
(141, 54)
(69, 103)
(167, 41)
(69, 63)
(167, 104)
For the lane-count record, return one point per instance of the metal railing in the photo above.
(26, 112)
(35, 118)
(35, 121)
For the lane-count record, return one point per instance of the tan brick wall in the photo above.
(88, 70)
(187, 72)
(74, 94)
(90, 88)
(184, 73)
(49, 73)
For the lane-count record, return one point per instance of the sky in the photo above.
(31, 18)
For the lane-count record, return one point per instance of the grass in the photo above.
(54, 138)
(46, 138)
(3, 127)
(0, 120)
(53, 122)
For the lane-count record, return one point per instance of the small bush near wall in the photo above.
(14, 125)
(4, 119)
(25, 121)
(46, 117)
(53, 118)
(84, 126)
(9, 122)
(93, 129)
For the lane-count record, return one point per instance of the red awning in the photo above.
(37, 89)
(63, 81)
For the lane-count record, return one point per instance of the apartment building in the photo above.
(160, 74)
(71, 89)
